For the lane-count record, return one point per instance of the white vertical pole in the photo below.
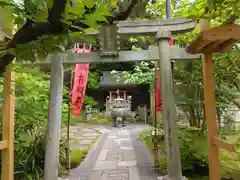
(54, 119)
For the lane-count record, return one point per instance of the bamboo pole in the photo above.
(68, 123)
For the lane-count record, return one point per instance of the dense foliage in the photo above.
(188, 77)
(41, 27)
(194, 155)
(31, 113)
(188, 83)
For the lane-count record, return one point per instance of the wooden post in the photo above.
(8, 126)
(210, 111)
(7, 172)
(169, 108)
(54, 120)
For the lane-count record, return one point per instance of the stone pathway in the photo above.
(119, 155)
(82, 136)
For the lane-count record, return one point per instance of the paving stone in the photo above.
(87, 137)
(134, 174)
(120, 156)
(103, 155)
(111, 144)
(82, 147)
(116, 175)
(90, 134)
(112, 137)
(115, 178)
(123, 170)
(126, 148)
(95, 175)
(112, 158)
(126, 143)
(86, 141)
(74, 128)
(87, 130)
(102, 165)
(167, 178)
(129, 158)
(127, 163)
(74, 141)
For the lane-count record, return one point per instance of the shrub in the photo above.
(30, 161)
(76, 157)
(97, 118)
(31, 113)
(194, 157)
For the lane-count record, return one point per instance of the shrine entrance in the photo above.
(110, 52)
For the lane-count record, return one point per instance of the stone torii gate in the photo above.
(110, 51)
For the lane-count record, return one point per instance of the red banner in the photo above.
(80, 79)
(158, 99)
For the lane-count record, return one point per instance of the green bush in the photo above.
(194, 158)
(31, 113)
(97, 118)
(89, 101)
(76, 157)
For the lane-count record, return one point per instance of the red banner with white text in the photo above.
(79, 85)
(158, 99)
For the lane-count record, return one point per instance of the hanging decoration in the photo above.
(80, 79)
(158, 99)
(171, 42)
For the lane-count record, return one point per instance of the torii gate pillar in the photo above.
(54, 119)
(169, 108)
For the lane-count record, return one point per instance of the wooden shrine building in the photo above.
(111, 86)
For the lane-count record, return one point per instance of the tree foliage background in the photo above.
(37, 28)
(188, 74)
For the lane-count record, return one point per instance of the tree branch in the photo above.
(55, 13)
(31, 31)
(123, 15)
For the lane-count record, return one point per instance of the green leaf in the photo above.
(90, 20)
(88, 3)
(50, 4)
(41, 16)
(4, 3)
(19, 20)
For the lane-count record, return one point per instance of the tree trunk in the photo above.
(193, 119)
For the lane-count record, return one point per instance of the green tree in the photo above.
(31, 114)
(188, 74)
(45, 26)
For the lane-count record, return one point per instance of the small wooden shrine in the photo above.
(112, 88)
